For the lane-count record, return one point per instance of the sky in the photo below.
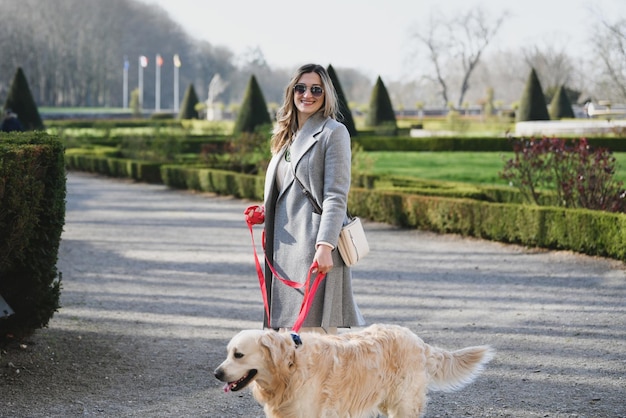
(375, 36)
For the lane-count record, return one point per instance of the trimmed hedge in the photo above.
(560, 106)
(345, 114)
(144, 171)
(188, 143)
(486, 144)
(188, 106)
(20, 100)
(32, 216)
(533, 104)
(253, 112)
(380, 108)
(110, 123)
(243, 186)
(494, 194)
(400, 143)
(586, 231)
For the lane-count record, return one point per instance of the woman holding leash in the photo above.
(311, 152)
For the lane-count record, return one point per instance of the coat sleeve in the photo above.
(336, 181)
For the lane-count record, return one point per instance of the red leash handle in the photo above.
(256, 215)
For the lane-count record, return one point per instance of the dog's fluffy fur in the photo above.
(383, 368)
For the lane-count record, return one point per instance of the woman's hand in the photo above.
(324, 259)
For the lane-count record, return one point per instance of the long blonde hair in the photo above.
(287, 116)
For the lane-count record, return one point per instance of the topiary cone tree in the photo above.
(20, 100)
(344, 110)
(533, 103)
(560, 106)
(253, 112)
(188, 106)
(380, 111)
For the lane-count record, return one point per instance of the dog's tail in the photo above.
(451, 371)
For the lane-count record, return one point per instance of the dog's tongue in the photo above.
(227, 387)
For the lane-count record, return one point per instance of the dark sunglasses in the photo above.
(316, 91)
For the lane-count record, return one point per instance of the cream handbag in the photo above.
(353, 245)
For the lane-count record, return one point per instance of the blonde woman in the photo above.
(310, 151)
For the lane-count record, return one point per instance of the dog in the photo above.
(381, 369)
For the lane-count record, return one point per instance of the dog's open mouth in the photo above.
(241, 383)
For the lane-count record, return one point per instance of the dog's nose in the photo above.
(219, 374)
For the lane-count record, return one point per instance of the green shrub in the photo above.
(585, 231)
(223, 182)
(188, 106)
(533, 103)
(135, 103)
(419, 204)
(344, 110)
(381, 112)
(449, 143)
(580, 177)
(20, 100)
(253, 113)
(162, 116)
(560, 106)
(455, 123)
(32, 215)
(248, 153)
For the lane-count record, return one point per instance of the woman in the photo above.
(310, 150)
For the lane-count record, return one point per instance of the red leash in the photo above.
(256, 215)
(309, 295)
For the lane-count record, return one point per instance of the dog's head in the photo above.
(266, 357)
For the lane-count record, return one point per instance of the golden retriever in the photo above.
(383, 368)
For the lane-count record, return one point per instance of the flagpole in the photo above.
(125, 88)
(176, 89)
(177, 65)
(157, 88)
(140, 82)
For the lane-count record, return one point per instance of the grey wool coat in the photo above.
(320, 154)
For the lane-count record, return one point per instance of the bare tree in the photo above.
(552, 62)
(462, 40)
(555, 68)
(505, 72)
(609, 42)
(73, 51)
(356, 86)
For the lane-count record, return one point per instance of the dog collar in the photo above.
(296, 339)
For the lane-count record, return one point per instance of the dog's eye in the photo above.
(238, 355)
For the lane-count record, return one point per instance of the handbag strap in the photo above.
(317, 208)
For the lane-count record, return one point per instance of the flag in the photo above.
(177, 62)
(144, 61)
(159, 60)
(126, 63)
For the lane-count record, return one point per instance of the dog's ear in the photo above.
(280, 351)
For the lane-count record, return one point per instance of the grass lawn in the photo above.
(467, 167)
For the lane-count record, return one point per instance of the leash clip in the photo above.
(296, 339)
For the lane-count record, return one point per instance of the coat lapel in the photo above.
(306, 138)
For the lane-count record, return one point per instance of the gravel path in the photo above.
(156, 281)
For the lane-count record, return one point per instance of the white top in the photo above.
(281, 170)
